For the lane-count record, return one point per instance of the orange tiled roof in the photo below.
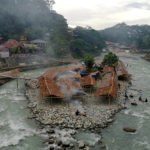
(11, 44)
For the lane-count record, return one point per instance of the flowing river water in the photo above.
(16, 131)
(137, 117)
(19, 133)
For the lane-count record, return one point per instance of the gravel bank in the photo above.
(60, 114)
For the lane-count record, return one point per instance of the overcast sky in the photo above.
(100, 14)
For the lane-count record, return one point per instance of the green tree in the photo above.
(89, 62)
(79, 48)
(19, 50)
(14, 49)
(110, 59)
(86, 41)
(146, 41)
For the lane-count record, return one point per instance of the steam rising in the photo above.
(72, 91)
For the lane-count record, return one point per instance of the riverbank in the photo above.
(25, 63)
(147, 57)
(61, 114)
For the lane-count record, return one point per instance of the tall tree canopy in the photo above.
(86, 40)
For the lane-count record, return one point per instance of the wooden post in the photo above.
(90, 90)
(109, 100)
(51, 100)
(17, 83)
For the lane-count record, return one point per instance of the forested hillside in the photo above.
(33, 19)
(24, 16)
(135, 35)
(86, 40)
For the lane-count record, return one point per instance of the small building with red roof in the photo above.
(11, 44)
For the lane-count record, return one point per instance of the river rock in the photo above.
(51, 148)
(81, 144)
(59, 142)
(71, 145)
(51, 141)
(129, 130)
(66, 144)
(50, 131)
(86, 148)
(73, 132)
(110, 120)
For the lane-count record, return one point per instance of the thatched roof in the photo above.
(49, 87)
(88, 81)
(121, 69)
(109, 85)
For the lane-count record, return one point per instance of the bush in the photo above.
(110, 59)
(89, 61)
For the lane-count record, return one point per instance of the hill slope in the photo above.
(135, 35)
(33, 19)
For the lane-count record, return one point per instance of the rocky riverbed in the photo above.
(59, 119)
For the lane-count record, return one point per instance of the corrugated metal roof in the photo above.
(39, 41)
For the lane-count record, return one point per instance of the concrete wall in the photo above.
(4, 54)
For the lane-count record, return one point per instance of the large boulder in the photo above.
(129, 130)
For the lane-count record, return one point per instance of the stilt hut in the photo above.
(121, 71)
(109, 86)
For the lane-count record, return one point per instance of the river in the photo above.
(18, 133)
(137, 117)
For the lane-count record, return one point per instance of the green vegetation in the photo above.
(110, 59)
(89, 62)
(86, 41)
(59, 35)
(34, 20)
(23, 17)
(147, 56)
(135, 36)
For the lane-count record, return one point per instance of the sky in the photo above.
(100, 14)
